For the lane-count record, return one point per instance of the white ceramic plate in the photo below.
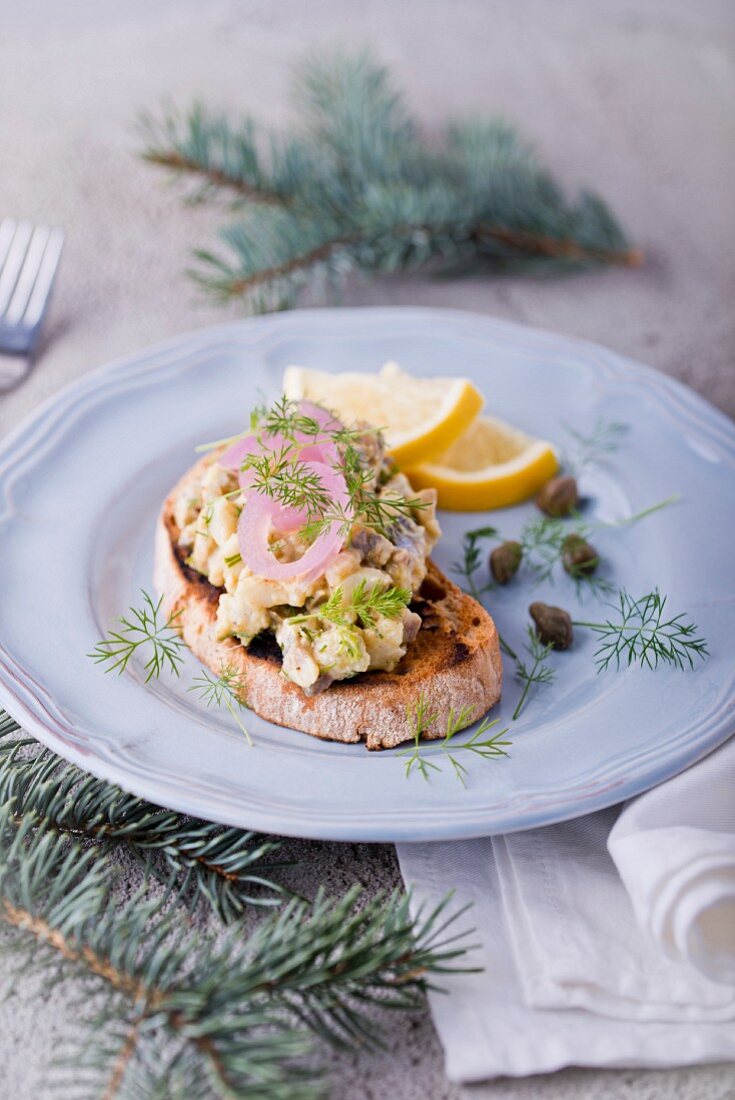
(81, 483)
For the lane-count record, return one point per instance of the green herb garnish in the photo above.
(281, 474)
(539, 671)
(605, 439)
(144, 630)
(471, 560)
(423, 720)
(226, 690)
(637, 631)
(367, 604)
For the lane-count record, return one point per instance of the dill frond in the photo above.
(591, 448)
(537, 672)
(423, 720)
(639, 632)
(142, 630)
(471, 560)
(367, 604)
(226, 690)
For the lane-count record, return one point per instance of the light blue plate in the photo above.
(81, 483)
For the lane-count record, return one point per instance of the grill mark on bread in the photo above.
(431, 590)
(210, 591)
(264, 647)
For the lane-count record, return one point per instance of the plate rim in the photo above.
(680, 401)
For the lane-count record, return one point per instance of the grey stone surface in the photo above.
(632, 98)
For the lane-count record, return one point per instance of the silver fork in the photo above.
(28, 260)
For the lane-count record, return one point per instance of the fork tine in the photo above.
(28, 275)
(13, 263)
(44, 280)
(7, 232)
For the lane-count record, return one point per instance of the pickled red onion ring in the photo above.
(325, 451)
(261, 515)
(284, 518)
(321, 451)
(233, 458)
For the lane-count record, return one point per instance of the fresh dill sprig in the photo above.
(467, 568)
(604, 439)
(381, 514)
(214, 444)
(471, 560)
(285, 418)
(226, 690)
(332, 610)
(539, 672)
(369, 604)
(423, 720)
(282, 474)
(143, 629)
(542, 541)
(279, 473)
(638, 631)
(628, 521)
(366, 604)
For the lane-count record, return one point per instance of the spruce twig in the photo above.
(227, 867)
(237, 1017)
(357, 186)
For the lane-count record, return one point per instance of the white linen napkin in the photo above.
(674, 849)
(568, 976)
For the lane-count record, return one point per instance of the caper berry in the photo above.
(505, 561)
(578, 556)
(559, 497)
(553, 625)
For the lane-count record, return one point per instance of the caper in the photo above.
(578, 556)
(559, 497)
(553, 625)
(505, 561)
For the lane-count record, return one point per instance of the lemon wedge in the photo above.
(492, 465)
(421, 417)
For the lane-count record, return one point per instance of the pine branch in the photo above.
(237, 1016)
(221, 156)
(357, 186)
(226, 867)
(538, 245)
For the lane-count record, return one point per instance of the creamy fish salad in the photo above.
(347, 611)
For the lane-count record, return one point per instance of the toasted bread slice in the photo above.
(454, 661)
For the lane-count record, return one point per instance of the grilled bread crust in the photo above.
(454, 661)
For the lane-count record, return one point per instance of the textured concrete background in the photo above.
(632, 98)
